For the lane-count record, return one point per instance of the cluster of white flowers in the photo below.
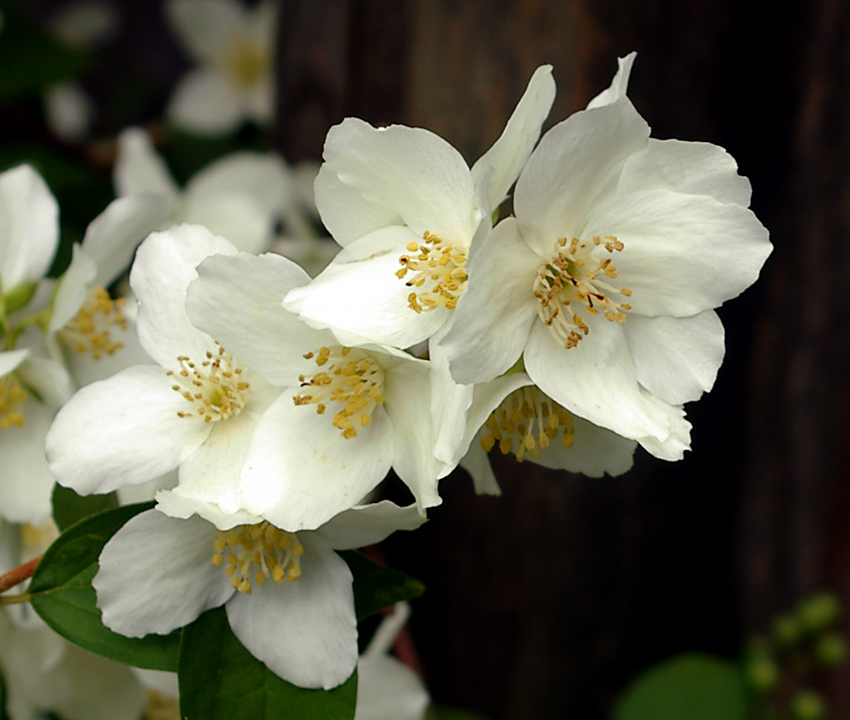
(268, 406)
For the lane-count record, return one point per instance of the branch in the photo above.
(18, 575)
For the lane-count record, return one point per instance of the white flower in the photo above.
(240, 196)
(196, 409)
(405, 206)
(510, 413)
(234, 47)
(387, 689)
(42, 672)
(31, 385)
(344, 415)
(288, 597)
(606, 279)
(68, 111)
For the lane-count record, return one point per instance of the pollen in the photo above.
(437, 273)
(576, 280)
(12, 396)
(352, 379)
(161, 707)
(251, 554)
(214, 387)
(246, 63)
(89, 330)
(527, 422)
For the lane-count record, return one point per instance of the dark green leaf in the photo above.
(31, 60)
(221, 680)
(69, 508)
(64, 598)
(687, 687)
(377, 587)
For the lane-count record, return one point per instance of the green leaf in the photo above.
(377, 587)
(30, 60)
(69, 508)
(687, 687)
(63, 596)
(221, 680)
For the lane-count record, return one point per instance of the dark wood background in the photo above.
(545, 602)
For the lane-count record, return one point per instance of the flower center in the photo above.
(12, 396)
(525, 423)
(353, 379)
(572, 279)
(252, 553)
(214, 389)
(89, 331)
(245, 63)
(161, 707)
(439, 273)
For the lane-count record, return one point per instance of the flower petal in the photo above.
(11, 359)
(112, 237)
(369, 524)
(212, 473)
(495, 313)
(682, 253)
(29, 227)
(608, 393)
(156, 574)
(387, 689)
(170, 503)
(360, 294)
(619, 85)
(206, 102)
(676, 359)
(27, 485)
(595, 452)
(301, 471)
(139, 169)
(124, 430)
(304, 631)
(206, 27)
(408, 170)
(576, 161)
(694, 168)
(72, 289)
(261, 176)
(237, 300)
(408, 403)
(345, 212)
(449, 403)
(165, 265)
(510, 152)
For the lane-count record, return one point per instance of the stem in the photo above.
(18, 575)
(15, 599)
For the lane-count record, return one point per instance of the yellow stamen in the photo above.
(573, 278)
(12, 396)
(353, 379)
(513, 423)
(90, 329)
(214, 388)
(254, 553)
(441, 266)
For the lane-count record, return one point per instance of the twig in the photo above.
(18, 575)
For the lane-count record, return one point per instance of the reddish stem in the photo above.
(18, 575)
